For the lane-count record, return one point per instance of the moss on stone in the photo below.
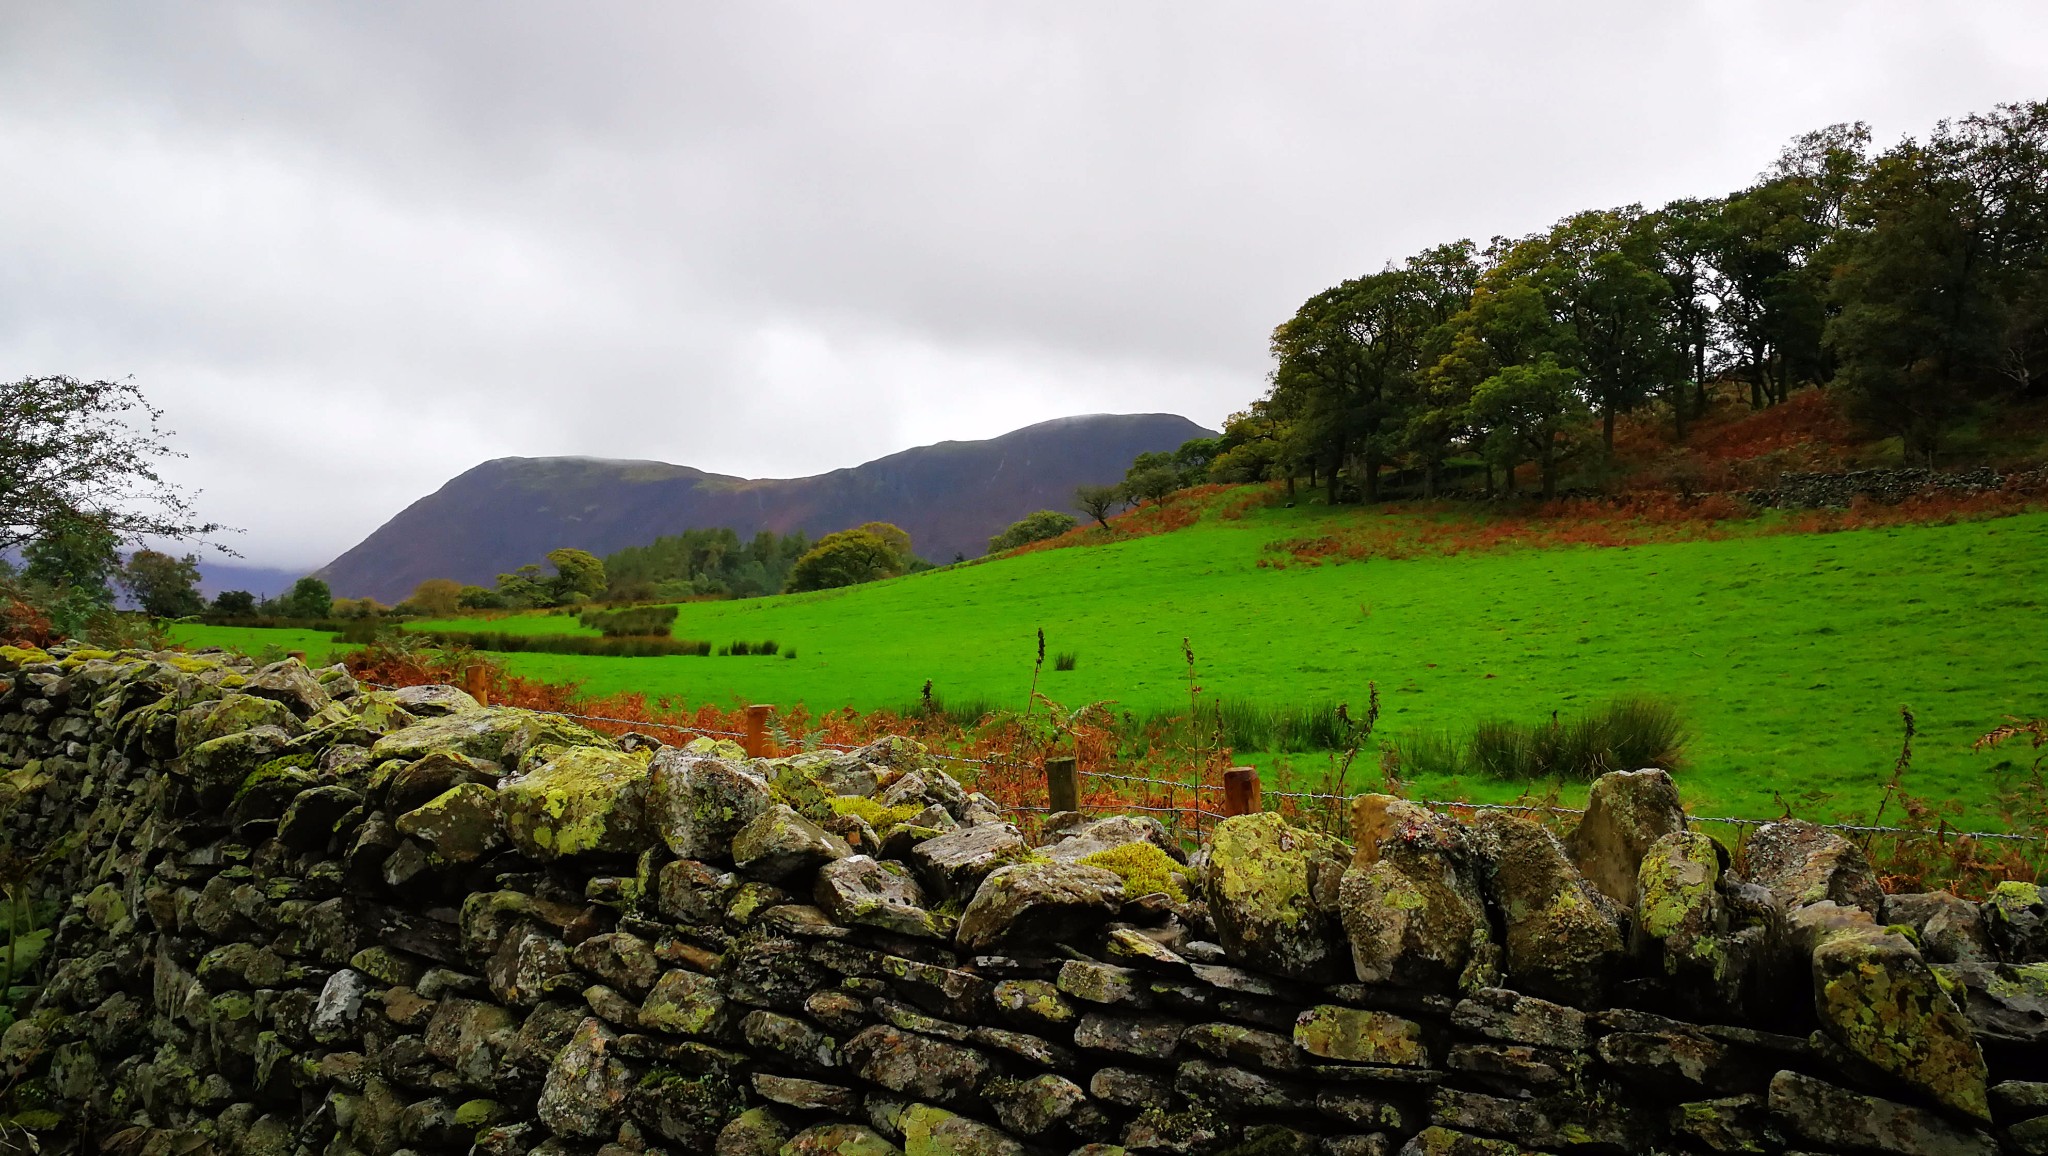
(874, 814)
(1144, 868)
(16, 657)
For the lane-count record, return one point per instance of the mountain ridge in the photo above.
(952, 496)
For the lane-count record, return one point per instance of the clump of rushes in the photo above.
(1065, 660)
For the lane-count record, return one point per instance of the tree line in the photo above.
(1913, 281)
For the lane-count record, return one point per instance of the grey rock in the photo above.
(1146, 1037)
(1505, 1015)
(698, 803)
(1130, 1089)
(1563, 939)
(1037, 903)
(1626, 811)
(585, 1086)
(1035, 1105)
(865, 891)
(779, 844)
(339, 1007)
(1076, 842)
(1411, 903)
(1951, 929)
(806, 1095)
(1230, 1090)
(2004, 1002)
(954, 864)
(1273, 892)
(915, 1065)
(2016, 920)
(1804, 864)
(1832, 1117)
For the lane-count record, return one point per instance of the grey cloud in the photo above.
(354, 249)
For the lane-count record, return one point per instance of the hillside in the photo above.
(952, 497)
(1788, 656)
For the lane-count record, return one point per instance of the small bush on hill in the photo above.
(1625, 735)
(1032, 528)
(567, 644)
(632, 622)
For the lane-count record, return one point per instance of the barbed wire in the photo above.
(1198, 811)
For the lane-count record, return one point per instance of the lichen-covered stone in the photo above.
(1360, 1036)
(1877, 998)
(2016, 919)
(754, 1132)
(861, 890)
(585, 1085)
(1074, 843)
(2004, 1002)
(1410, 902)
(1803, 863)
(1439, 1141)
(1273, 892)
(1101, 983)
(1038, 903)
(458, 826)
(1509, 1016)
(1950, 929)
(916, 1065)
(1146, 1037)
(698, 803)
(1832, 1117)
(577, 800)
(954, 864)
(1230, 1090)
(688, 1109)
(693, 892)
(497, 735)
(1034, 1003)
(835, 1139)
(779, 845)
(684, 1003)
(1626, 811)
(1244, 1045)
(621, 959)
(1562, 941)
(1033, 1106)
(929, 1131)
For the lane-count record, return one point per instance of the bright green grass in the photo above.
(1788, 656)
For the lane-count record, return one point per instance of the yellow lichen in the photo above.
(1144, 868)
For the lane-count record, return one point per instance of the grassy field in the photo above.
(1788, 656)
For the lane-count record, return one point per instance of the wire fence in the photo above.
(1150, 791)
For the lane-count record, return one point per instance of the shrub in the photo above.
(1031, 528)
(567, 644)
(1626, 734)
(633, 622)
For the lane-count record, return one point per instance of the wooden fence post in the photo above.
(756, 741)
(477, 682)
(1241, 791)
(1062, 784)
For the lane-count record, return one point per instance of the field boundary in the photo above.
(1200, 812)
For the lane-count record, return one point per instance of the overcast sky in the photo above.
(355, 249)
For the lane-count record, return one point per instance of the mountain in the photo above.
(952, 497)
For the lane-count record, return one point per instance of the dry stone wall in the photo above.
(300, 916)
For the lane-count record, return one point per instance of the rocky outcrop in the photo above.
(299, 916)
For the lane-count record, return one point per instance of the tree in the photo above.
(846, 558)
(165, 587)
(438, 597)
(86, 450)
(1031, 528)
(895, 537)
(1942, 286)
(309, 597)
(72, 566)
(1532, 410)
(576, 572)
(479, 598)
(234, 604)
(1098, 501)
(1155, 484)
